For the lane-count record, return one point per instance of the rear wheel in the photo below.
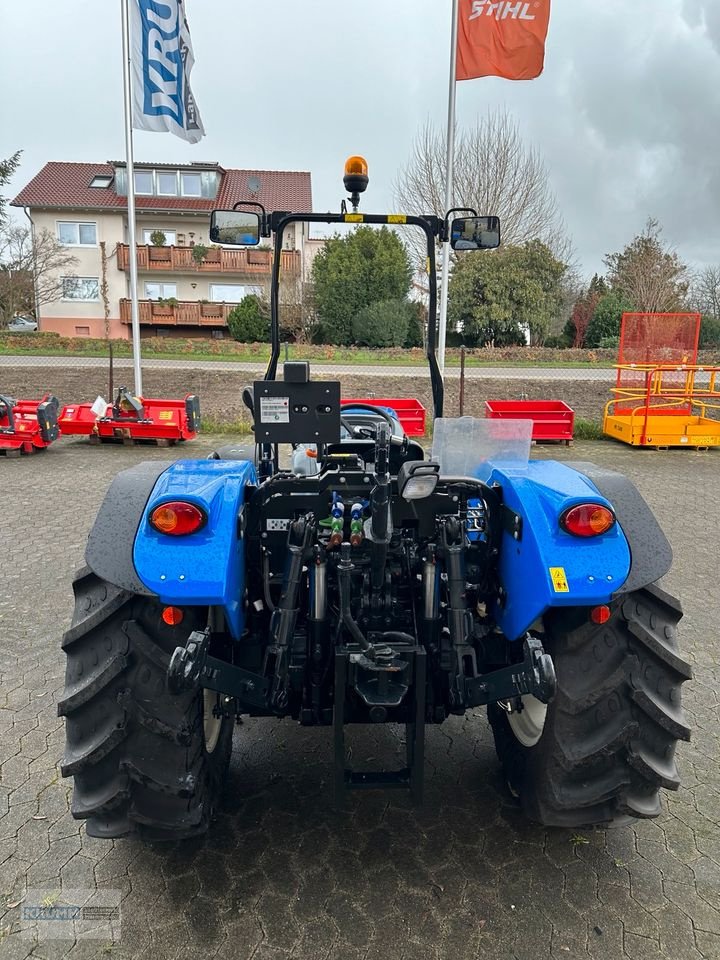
(143, 760)
(601, 751)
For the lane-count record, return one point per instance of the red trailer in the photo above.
(551, 419)
(410, 412)
(132, 419)
(27, 425)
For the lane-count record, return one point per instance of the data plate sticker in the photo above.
(275, 409)
(559, 579)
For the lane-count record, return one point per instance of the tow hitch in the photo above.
(535, 676)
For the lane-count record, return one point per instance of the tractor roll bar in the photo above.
(431, 226)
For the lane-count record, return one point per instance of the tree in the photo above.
(249, 321)
(7, 169)
(705, 292)
(497, 298)
(577, 326)
(23, 257)
(648, 274)
(351, 273)
(604, 326)
(384, 323)
(496, 173)
(416, 325)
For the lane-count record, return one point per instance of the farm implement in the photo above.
(131, 419)
(27, 425)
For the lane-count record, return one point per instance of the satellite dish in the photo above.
(254, 185)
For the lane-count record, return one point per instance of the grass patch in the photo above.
(227, 350)
(214, 423)
(587, 430)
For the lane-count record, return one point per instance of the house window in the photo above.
(101, 182)
(191, 184)
(72, 233)
(81, 288)
(169, 236)
(160, 291)
(167, 185)
(229, 292)
(144, 181)
(82, 331)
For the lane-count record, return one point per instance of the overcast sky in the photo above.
(627, 113)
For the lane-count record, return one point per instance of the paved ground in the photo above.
(283, 875)
(471, 372)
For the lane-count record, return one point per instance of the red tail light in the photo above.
(600, 615)
(177, 518)
(587, 520)
(173, 616)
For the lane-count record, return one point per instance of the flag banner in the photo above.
(502, 38)
(162, 58)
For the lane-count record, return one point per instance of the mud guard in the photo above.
(650, 550)
(206, 568)
(109, 551)
(540, 565)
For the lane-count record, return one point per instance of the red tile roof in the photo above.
(67, 185)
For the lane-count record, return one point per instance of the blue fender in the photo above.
(547, 567)
(206, 567)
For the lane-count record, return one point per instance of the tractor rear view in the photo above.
(387, 584)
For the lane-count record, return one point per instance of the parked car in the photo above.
(22, 325)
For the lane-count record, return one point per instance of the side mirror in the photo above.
(475, 233)
(239, 228)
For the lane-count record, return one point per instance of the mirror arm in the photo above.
(445, 238)
(264, 216)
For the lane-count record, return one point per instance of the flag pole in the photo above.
(130, 167)
(449, 178)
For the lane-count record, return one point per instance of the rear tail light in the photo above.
(177, 518)
(587, 520)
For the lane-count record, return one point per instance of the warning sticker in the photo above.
(559, 580)
(165, 415)
(275, 409)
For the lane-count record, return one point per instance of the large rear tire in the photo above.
(143, 760)
(605, 745)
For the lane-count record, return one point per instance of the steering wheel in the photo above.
(367, 408)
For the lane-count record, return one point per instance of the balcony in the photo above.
(218, 260)
(187, 313)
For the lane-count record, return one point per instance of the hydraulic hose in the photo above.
(380, 510)
(345, 569)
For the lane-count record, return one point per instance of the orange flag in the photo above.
(502, 38)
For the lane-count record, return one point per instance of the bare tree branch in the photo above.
(496, 173)
(47, 260)
(705, 292)
(649, 273)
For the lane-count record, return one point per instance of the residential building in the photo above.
(183, 291)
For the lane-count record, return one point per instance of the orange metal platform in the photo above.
(666, 405)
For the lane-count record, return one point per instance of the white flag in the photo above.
(162, 57)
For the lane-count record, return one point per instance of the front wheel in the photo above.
(601, 751)
(143, 760)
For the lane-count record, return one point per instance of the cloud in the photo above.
(626, 113)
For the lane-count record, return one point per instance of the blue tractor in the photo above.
(370, 582)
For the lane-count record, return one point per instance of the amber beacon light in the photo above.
(356, 178)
